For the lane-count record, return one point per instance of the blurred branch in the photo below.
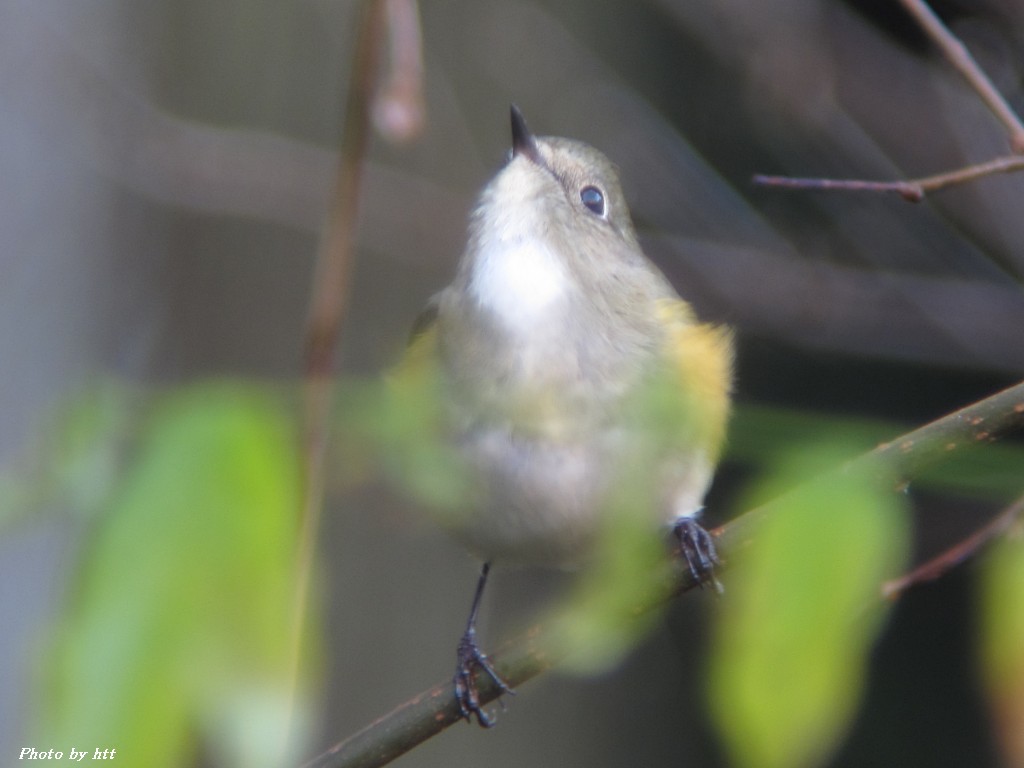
(941, 564)
(329, 301)
(334, 259)
(399, 111)
(528, 655)
(914, 190)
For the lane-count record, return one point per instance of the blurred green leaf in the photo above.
(179, 621)
(1002, 642)
(801, 610)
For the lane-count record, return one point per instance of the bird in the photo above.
(558, 356)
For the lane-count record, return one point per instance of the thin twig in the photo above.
(912, 190)
(526, 656)
(941, 564)
(908, 190)
(958, 55)
(329, 301)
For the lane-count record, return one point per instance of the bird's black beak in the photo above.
(523, 142)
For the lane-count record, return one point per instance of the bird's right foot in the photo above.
(697, 549)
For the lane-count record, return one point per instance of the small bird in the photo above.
(544, 354)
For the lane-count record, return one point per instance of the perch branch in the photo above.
(529, 655)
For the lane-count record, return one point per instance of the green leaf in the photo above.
(179, 621)
(801, 610)
(1002, 642)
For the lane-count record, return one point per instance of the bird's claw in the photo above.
(467, 694)
(697, 548)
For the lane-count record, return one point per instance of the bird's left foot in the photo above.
(470, 659)
(697, 548)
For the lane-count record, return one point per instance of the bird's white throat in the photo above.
(520, 281)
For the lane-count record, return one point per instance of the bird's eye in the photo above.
(593, 198)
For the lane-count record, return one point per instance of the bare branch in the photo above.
(908, 190)
(912, 190)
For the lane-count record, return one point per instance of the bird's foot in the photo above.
(697, 548)
(467, 694)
